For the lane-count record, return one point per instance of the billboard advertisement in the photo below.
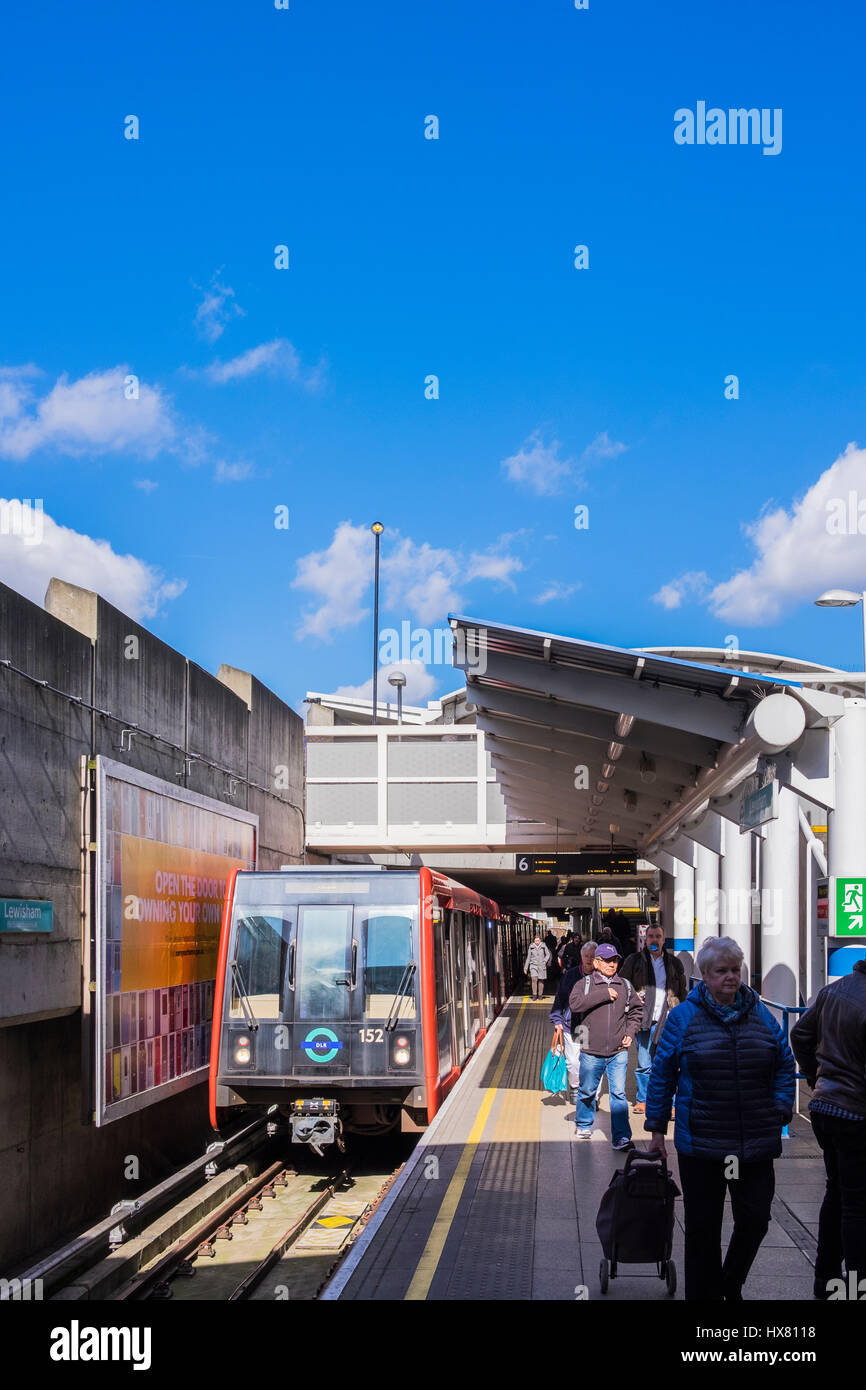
(163, 855)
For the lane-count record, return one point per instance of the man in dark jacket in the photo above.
(605, 1011)
(560, 1016)
(660, 980)
(569, 955)
(829, 1042)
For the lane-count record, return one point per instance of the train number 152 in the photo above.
(372, 1035)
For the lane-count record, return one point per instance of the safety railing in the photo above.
(786, 1010)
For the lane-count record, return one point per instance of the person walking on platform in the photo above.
(605, 1012)
(726, 1058)
(829, 1042)
(560, 1016)
(551, 943)
(660, 980)
(606, 935)
(535, 965)
(569, 952)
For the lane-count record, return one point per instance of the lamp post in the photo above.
(377, 528)
(398, 680)
(845, 598)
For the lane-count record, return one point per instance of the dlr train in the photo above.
(351, 996)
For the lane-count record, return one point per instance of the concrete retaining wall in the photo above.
(217, 735)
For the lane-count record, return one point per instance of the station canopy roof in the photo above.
(606, 743)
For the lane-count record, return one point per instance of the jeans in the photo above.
(592, 1069)
(703, 1184)
(842, 1221)
(644, 1063)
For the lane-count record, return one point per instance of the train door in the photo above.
(461, 1009)
(322, 979)
(494, 974)
(444, 996)
(474, 976)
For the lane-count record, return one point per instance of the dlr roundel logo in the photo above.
(321, 1044)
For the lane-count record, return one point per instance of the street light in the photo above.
(377, 528)
(845, 598)
(398, 680)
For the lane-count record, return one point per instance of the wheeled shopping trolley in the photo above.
(635, 1221)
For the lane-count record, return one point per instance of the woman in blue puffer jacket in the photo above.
(724, 1055)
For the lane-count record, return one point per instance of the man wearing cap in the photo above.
(605, 1015)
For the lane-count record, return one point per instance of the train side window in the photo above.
(387, 952)
(261, 947)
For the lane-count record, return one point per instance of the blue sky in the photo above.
(409, 257)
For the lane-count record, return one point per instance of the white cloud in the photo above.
(694, 583)
(216, 310)
(277, 358)
(338, 577)
(232, 472)
(603, 447)
(538, 465)
(420, 579)
(420, 685)
(493, 566)
(417, 579)
(89, 416)
(28, 561)
(556, 591)
(146, 484)
(816, 545)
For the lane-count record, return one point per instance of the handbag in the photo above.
(554, 1076)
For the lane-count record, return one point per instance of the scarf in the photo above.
(726, 1012)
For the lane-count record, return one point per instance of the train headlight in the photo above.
(402, 1053)
(242, 1050)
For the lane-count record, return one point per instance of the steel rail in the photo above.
(187, 1246)
(70, 1257)
(288, 1238)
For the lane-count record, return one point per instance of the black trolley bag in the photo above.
(635, 1221)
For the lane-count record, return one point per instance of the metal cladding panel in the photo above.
(344, 757)
(419, 757)
(333, 804)
(432, 803)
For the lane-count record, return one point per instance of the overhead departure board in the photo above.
(614, 862)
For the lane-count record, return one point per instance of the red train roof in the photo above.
(455, 895)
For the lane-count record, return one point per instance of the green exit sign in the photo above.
(26, 914)
(850, 914)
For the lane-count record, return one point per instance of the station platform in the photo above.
(498, 1201)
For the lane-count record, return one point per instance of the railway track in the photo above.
(292, 1226)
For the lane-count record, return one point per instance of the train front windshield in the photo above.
(323, 972)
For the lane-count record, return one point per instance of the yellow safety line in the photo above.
(432, 1252)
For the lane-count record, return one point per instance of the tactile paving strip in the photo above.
(493, 1257)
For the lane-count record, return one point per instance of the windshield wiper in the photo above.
(246, 1004)
(402, 989)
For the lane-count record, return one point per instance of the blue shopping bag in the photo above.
(554, 1076)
